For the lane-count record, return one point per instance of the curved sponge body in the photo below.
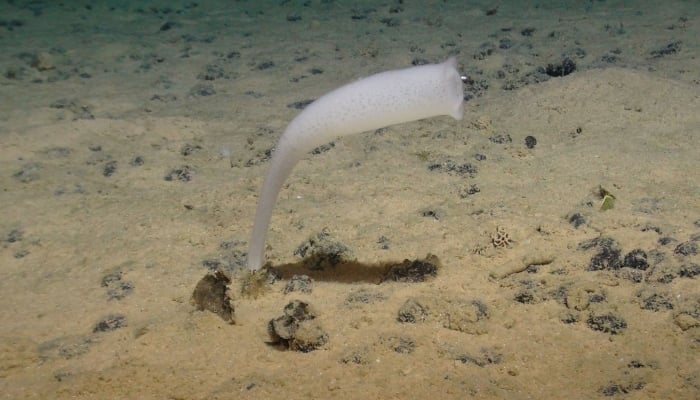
(380, 100)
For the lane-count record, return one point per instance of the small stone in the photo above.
(298, 328)
(686, 249)
(608, 323)
(413, 271)
(299, 283)
(412, 311)
(530, 142)
(211, 294)
(636, 259)
(110, 323)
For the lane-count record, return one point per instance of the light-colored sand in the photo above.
(79, 247)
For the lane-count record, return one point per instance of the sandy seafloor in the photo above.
(99, 254)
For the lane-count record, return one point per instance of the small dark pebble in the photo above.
(653, 228)
(608, 323)
(254, 94)
(597, 298)
(576, 219)
(293, 17)
(666, 240)
(530, 142)
(399, 344)
(58, 152)
(111, 278)
(453, 167)
(656, 302)
(300, 105)
(213, 72)
(689, 270)
(390, 22)
(532, 269)
(120, 291)
(299, 283)
(110, 323)
(202, 90)
(364, 296)
(21, 253)
(384, 242)
(505, 44)
(260, 158)
(527, 31)
(109, 169)
(469, 191)
(430, 213)
(606, 259)
(167, 26)
(474, 88)
(136, 161)
(636, 259)
(608, 256)
(501, 138)
(614, 389)
(631, 275)
(188, 149)
(15, 235)
(265, 65)
(609, 58)
(323, 148)
(686, 249)
(671, 48)
(11, 24)
(526, 297)
(420, 61)
(412, 311)
(212, 265)
(569, 318)
(320, 251)
(413, 271)
(182, 174)
(487, 357)
(564, 68)
(28, 173)
(667, 278)
(479, 157)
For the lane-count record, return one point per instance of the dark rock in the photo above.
(110, 323)
(608, 323)
(412, 311)
(564, 68)
(689, 270)
(636, 259)
(299, 283)
(686, 248)
(211, 294)
(577, 219)
(298, 328)
(530, 142)
(486, 357)
(320, 251)
(182, 174)
(413, 271)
